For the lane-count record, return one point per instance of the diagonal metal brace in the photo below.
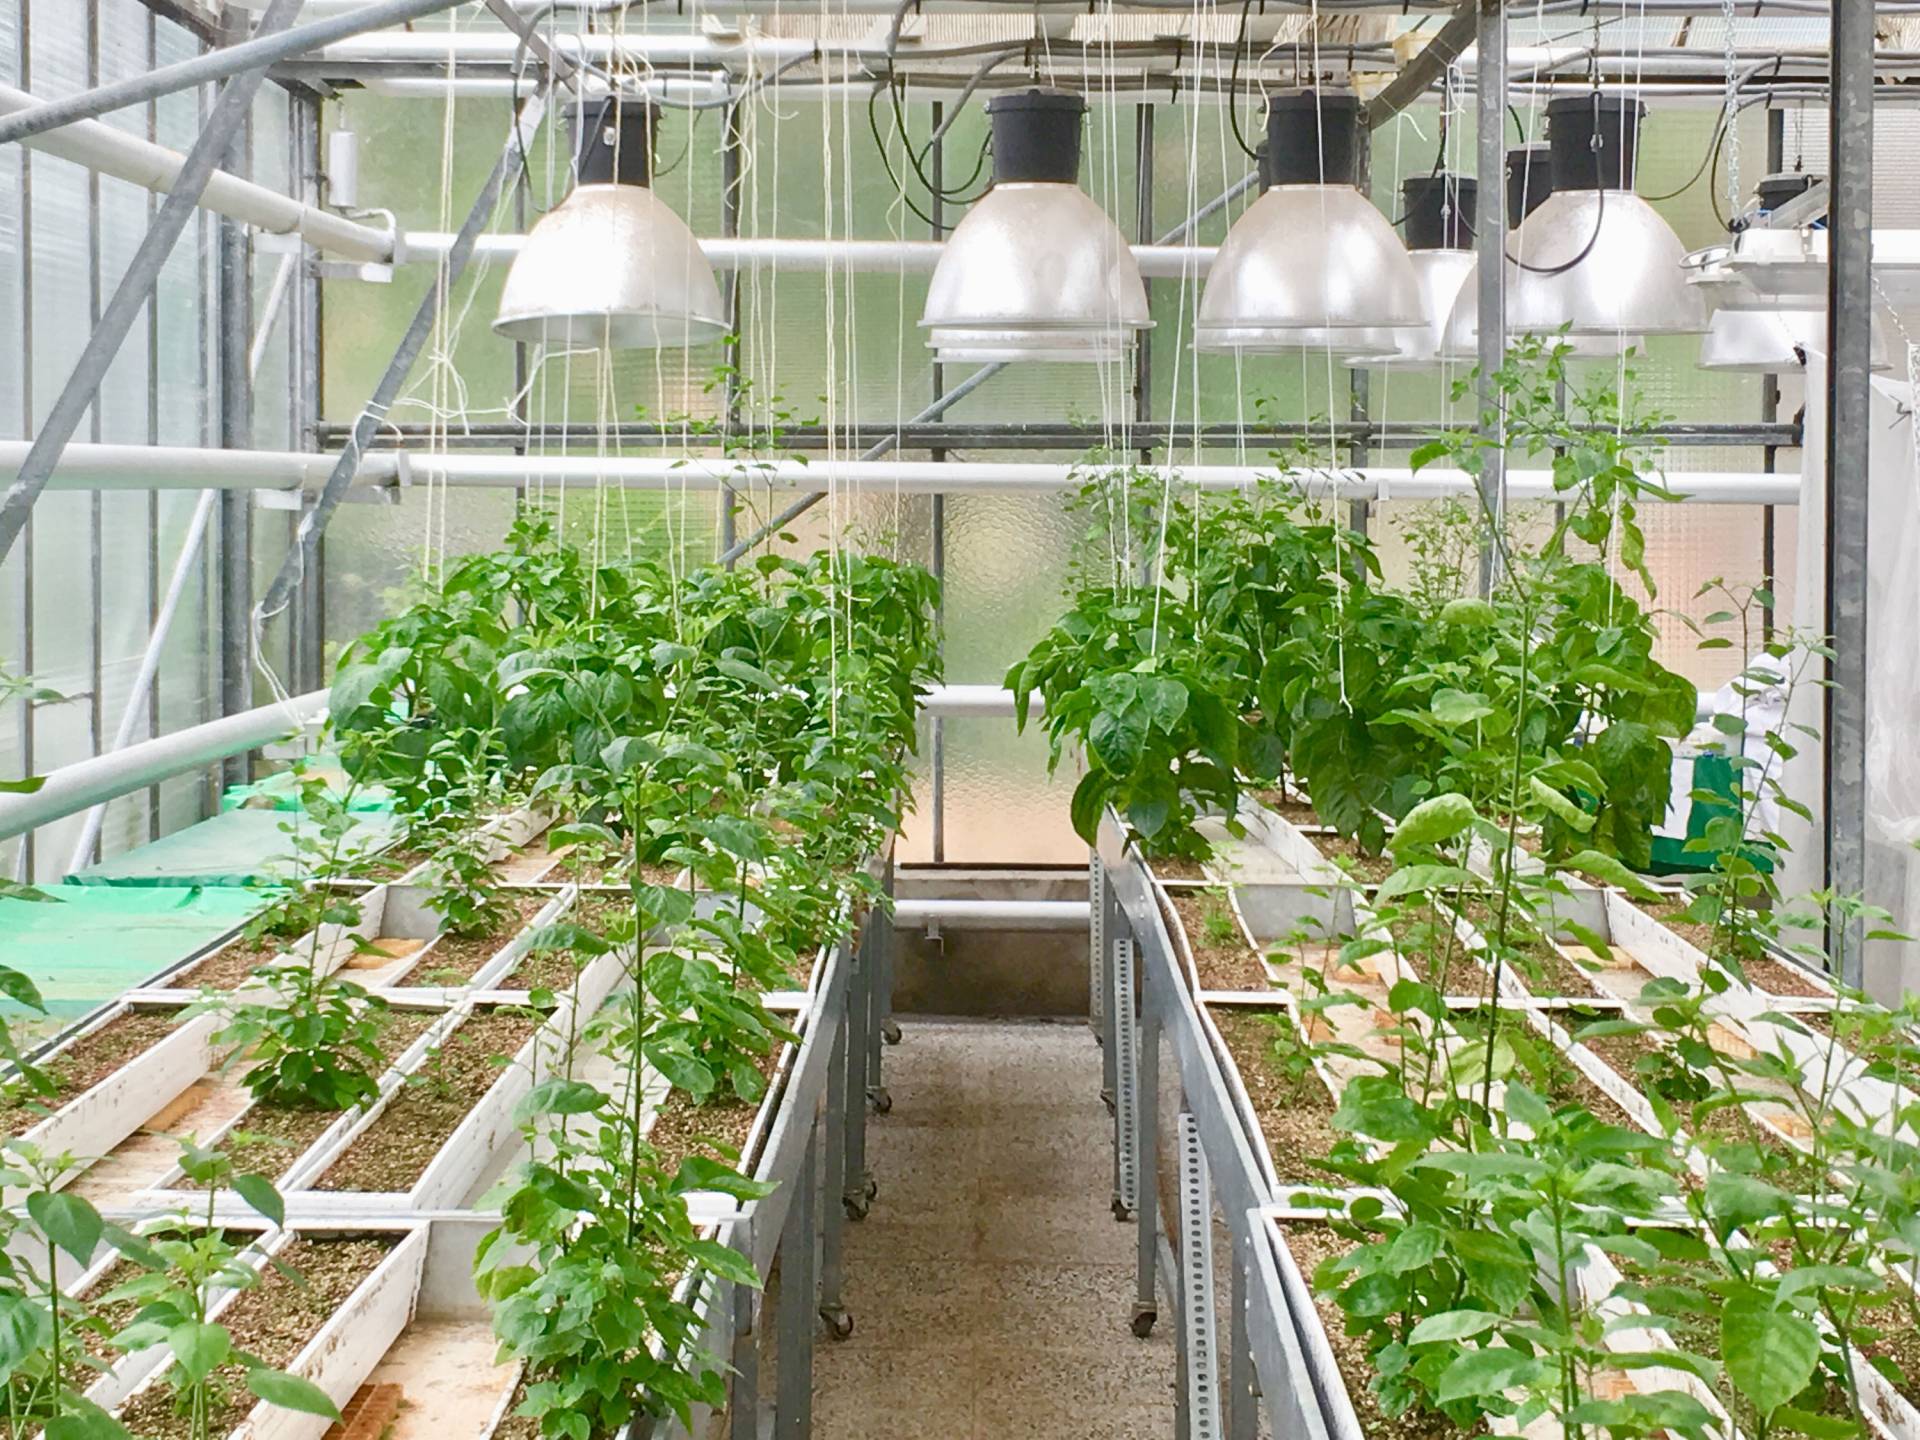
(143, 271)
(314, 523)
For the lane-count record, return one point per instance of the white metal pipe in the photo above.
(988, 700)
(854, 257)
(953, 477)
(102, 148)
(993, 914)
(72, 788)
(180, 467)
(639, 47)
(141, 467)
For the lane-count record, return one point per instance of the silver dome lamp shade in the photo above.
(1036, 270)
(1771, 342)
(1529, 186)
(1438, 210)
(1595, 258)
(1311, 255)
(612, 265)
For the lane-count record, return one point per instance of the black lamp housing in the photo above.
(1439, 211)
(1595, 140)
(1313, 138)
(1529, 180)
(613, 141)
(1036, 137)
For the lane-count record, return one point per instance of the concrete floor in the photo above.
(991, 1286)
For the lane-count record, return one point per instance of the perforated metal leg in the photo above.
(1243, 1412)
(798, 1305)
(1202, 1372)
(1096, 943)
(853, 1188)
(1126, 1095)
(1146, 1304)
(873, 940)
(744, 1413)
(833, 1221)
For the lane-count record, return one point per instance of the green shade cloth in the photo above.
(99, 941)
(241, 847)
(280, 791)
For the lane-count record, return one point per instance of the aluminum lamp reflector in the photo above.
(1312, 253)
(1439, 217)
(1771, 342)
(612, 265)
(1036, 270)
(1594, 257)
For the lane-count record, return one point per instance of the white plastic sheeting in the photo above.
(1893, 678)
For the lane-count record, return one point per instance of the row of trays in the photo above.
(1226, 949)
(381, 1199)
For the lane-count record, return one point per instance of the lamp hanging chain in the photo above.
(1730, 121)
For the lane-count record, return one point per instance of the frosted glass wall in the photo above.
(79, 592)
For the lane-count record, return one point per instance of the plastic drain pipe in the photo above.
(994, 914)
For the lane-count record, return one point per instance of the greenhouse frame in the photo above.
(1082, 718)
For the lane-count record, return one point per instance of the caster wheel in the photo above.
(839, 1323)
(1121, 1210)
(882, 1101)
(857, 1206)
(873, 1188)
(1143, 1318)
(1106, 1099)
(890, 1032)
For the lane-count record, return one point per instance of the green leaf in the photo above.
(1433, 821)
(258, 1192)
(290, 1392)
(1610, 871)
(66, 1220)
(1422, 879)
(1469, 613)
(1770, 1354)
(729, 1264)
(91, 1424)
(1455, 708)
(559, 1097)
(199, 1348)
(25, 1326)
(748, 674)
(1742, 1200)
(28, 786)
(1452, 1325)
(1485, 1372)
(1559, 805)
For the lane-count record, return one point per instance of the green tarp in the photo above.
(98, 941)
(280, 792)
(241, 847)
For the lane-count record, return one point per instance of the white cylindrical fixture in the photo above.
(343, 170)
(102, 148)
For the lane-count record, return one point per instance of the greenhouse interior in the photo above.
(763, 718)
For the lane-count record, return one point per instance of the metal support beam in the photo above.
(1490, 241)
(136, 285)
(1848, 442)
(235, 587)
(314, 523)
(855, 1190)
(1419, 73)
(269, 46)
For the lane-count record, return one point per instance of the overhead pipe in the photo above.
(73, 788)
(100, 147)
(263, 50)
(138, 467)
